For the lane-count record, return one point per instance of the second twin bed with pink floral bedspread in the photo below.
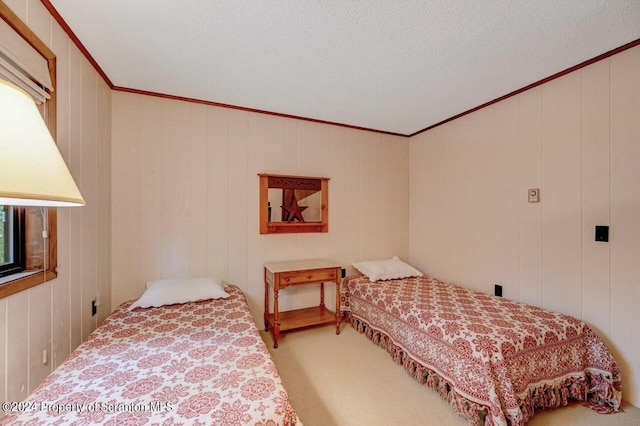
(198, 363)
(494, 360)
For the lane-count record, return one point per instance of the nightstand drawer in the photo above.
(299, 277)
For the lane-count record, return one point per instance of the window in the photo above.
(21, 234)
(11, 240)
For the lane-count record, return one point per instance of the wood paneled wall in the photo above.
(185, 194)
(56, 316)
(577, 138)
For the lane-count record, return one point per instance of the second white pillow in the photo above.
(388, 269)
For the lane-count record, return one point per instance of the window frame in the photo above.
(20, 283)
(18, 238)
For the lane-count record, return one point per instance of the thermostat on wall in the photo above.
(534, 195)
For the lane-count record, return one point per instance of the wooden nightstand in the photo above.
(280, 275)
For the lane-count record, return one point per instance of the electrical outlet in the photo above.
(498, 290)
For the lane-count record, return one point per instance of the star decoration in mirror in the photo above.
(291, 210)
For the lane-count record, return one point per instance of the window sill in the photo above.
(18, 282)
(18, 276)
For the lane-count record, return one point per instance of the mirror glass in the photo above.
(294, 205)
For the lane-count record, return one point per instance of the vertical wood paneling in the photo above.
(218, 192)
(387, 219)
(400, 176)
(506, 223)
(175, 212)
(61, 326)
(256, 243)
(474, 175)
(596, 308)
(422, 175)
(127, 248)
(104, 200)
(367, 193)
(338, 194)
(323, 168)
(238, 181)
(354, 195)
(530, 144)
(150, 204)
(432, 211)
(198, 196)
(397, 235)
(276, 145)
(561, 180)
(75, 215)
(306, 148)
(625, 217)
(373, 196)
(452, 174)
(39, 334)
(18, 354)
(89, 159)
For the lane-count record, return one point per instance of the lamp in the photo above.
(32, 171)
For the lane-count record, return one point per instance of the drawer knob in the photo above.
(309, 277)
(286, 279)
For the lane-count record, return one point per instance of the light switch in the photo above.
(602, 233)
(534, 195)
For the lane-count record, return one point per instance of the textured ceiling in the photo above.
(394, 65)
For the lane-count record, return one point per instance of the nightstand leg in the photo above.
(338, 311)
(322, 295)
(266, 303)
(276, 324)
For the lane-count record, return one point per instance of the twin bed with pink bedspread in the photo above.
(494, 360)
(198, 363)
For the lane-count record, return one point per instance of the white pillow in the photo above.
(180, 290)
(390, 269)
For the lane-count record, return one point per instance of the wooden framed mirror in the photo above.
(293, 204)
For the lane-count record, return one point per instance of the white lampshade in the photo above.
(32, 171)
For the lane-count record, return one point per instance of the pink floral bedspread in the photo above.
(486, 355)
(199, 363)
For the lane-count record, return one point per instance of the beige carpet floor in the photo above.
(347, 380)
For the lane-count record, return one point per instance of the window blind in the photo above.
(22, 65)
